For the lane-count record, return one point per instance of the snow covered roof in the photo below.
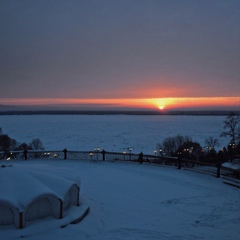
(24, 189)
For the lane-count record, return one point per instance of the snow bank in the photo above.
(142, 201)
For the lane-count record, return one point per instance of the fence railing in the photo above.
(214, 169)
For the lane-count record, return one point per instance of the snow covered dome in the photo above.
(30, 192)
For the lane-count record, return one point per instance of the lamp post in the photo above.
(130, 150)
(155, 152)
(97, 149)
(179, 160)
(160, 152)
(232, 149)
(124, 154)
(161, 159)
(91, 154)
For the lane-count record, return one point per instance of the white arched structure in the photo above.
(31, 192)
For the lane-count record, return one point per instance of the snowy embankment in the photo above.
(141, 201)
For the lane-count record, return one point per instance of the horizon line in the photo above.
(170, 103)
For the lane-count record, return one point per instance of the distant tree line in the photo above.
(185, 147)
(8, 144)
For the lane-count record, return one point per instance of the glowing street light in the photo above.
(97, 149)
(124, 154)
(130, 150)
(160, 152)
(232, 149)
(232, 145)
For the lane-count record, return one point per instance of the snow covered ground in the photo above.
(142, 201)
(129, 200)
(115, 133)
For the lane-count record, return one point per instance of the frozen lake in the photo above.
(110, 132)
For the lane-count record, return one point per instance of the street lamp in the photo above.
(124, 154)
(232, 149)
(232, 145)
(97, 149)
(91, 154)
(130, 150)
(160, 152)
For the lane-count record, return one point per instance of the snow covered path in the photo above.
(134, 201)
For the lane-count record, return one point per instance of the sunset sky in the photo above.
(148, 54)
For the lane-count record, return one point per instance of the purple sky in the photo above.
(119, 48)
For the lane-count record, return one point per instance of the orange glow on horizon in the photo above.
(204, 102)
(143, 103)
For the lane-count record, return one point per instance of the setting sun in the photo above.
(161, 103)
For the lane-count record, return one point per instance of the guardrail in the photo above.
(214, 169)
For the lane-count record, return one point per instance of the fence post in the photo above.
(179, 162)
(103, 155)
(65, 153)
(25, 152)
(140, 157)
(218, 170)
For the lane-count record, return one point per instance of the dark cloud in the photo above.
(112, 48)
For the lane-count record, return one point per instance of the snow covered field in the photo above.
(110, 132)
(134, 201)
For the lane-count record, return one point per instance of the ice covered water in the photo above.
(110, 132)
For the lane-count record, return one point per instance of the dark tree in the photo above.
(211, 143)
(23, 146)
(231, 127)
(231, 130)
(36, 144)
(191, 150)
(7, 144)
(169, 145)
(222, 155)
(180, 140)
(181, 144)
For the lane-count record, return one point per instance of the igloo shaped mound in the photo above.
(30, 192)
